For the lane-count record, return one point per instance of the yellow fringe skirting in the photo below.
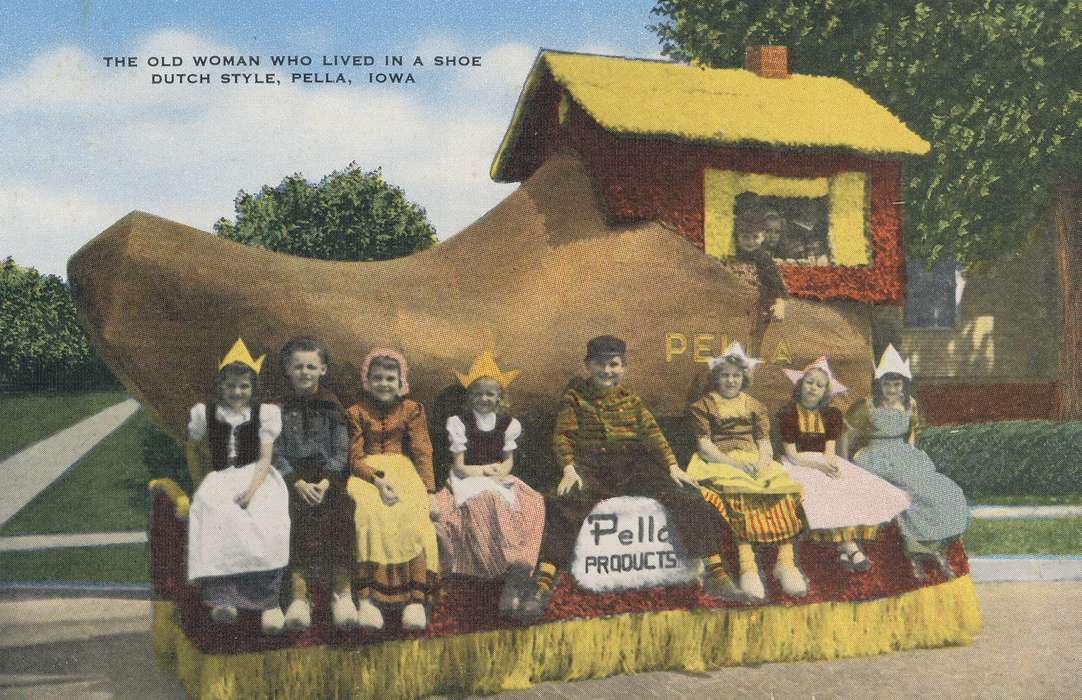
(490, 662)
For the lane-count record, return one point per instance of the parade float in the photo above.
(635, 175)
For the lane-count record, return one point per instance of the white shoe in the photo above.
(299, 615)
(272, 621)
(344, 612)
(413, 617)
(791, 580)
(369, 616)
(752, 586)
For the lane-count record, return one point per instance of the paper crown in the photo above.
(892, 363)
(239, 353)
(795, 375)
(735, 351)
(485, 366)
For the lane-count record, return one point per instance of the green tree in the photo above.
(348, 215)
(992, 85)
(42, 345)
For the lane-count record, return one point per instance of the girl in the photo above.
(392, 484)
(734, 463)
(842, 502)
(238, 526)
(886, 424)
(490, 522)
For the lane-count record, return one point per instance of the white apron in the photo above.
(225, 539)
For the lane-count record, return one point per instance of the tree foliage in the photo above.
(42, 345)
(992, 85)
(348, 215)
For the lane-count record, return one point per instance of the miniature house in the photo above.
(694, 147)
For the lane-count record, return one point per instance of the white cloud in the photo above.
(184, 153)
(41, 226)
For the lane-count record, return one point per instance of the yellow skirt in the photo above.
(394, 534)
(763, 509)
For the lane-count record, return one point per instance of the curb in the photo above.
(998, 569)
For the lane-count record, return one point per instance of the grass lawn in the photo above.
(104, 492)
(1072, 500)
(28, 418)
(126, 563)
(1060, 536)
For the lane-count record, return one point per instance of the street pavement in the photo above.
(76, 648)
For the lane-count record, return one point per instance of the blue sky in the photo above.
(84, 144)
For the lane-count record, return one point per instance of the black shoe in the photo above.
(515, 586)
(533, 603)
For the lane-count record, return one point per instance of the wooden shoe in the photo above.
(369, 616)
(272, 621)
(224, 613)
(343, 612)
(414, 618)
(791, 580)
(751, 585)
(298, 615)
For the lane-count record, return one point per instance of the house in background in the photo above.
(984, 343)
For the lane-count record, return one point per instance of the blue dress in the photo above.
(938, 511)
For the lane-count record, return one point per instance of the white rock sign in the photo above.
(626, 544)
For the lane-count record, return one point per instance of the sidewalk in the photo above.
(27, 473)
(101, 648)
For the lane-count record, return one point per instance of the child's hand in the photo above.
(571, 480)
(243, 498)
(310, 493)
(829, 468)
(386, 492)
(433, 510)
(468, 470)
(778, 310)
(497, 470)
(681, 477)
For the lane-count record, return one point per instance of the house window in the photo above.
(820, 220)
(796, 229)
(932, 295)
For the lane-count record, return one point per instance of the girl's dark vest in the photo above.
(484, 447)
(218, 437)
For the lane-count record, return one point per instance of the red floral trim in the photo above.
(469, 605)
(654, 179)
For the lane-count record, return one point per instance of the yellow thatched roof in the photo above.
(730, 106)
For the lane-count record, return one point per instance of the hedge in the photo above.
(1010, 458)
(42, 345)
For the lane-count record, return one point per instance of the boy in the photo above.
(750, 234)
(312, 454)
(609, 445)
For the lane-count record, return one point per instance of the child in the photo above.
(238, 526)
(842, 502)
(735, 464)
(887, 424)
(311, 455)
(609, 445)
(490, 522)
(750, 234)
(392, 483)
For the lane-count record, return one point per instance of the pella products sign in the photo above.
(626, 544)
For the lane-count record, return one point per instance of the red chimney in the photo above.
(767, 61)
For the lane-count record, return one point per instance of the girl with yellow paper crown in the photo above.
(393, 485)
(490, 522)
(238, 526)
(886, 427)
(735, 466)
(842, 502)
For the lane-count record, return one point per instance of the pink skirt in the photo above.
(856, 498)
(486, 536)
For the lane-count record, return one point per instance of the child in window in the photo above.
(750, 234)
(842, 502)
(490, 522)
(311, 454)
(393, 485)
(610, 445)
(735, 465)
(238, 525)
